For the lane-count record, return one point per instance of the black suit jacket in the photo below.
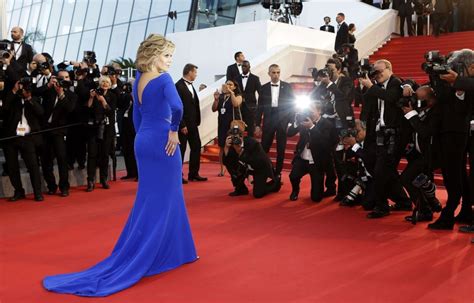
(330, 28)
(232, 72)
(464, 83)
(342, 36)
(284, 111)
(248, 94)
(191, 108)
(13, 109)
(405, 8)
(25, 57)
(60, 112)
(319, 139)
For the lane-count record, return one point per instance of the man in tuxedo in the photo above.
(405, 12)
(22, 52)
(58, 103)
(276, 106)
(128, 132)
(235, 70)
(188, 129)
(249, 85)
(327, 27)
(351, 59)
(24, 114)
(342, 35)
(244, 156)
(312, 152)
(384, 126)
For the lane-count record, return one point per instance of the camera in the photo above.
(43, 65)
(89, 57)
(127, 88)
(5, 48)
(111, 71)
(435, 64)
(235, 134)
(366, 69)
(357, 190)
(64, 83)
(413, 101)
(99, 91)
(26, 84)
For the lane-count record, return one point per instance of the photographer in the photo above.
(128, 133)
(417, 178)
(244, 157)
(23, 117)
(42, 75)
(385, 129)
(58, 103)
(351, 59)
(101, 131)
(313, 151)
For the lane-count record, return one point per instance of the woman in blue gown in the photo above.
(157, 236)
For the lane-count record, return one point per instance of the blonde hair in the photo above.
(105, 79)
(387, 63)
(153, 46)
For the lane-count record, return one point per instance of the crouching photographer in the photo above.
(417, 178)
(244, 157)
(101, 125)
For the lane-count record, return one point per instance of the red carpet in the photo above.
(268, 250)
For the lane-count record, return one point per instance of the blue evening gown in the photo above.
(157, 236)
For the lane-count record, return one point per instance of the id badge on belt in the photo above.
(222, 111)
(20, 130)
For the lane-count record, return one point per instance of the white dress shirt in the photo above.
(245, 78)
(189, 85)
(275, 93)
(381, 107)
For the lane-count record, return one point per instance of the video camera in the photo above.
(366, 70)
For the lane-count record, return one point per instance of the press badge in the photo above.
(222, 111)
(20, 130)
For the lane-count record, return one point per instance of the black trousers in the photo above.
(98, 151)
(420, 24)
(440, 20)
(128, 147)
(269, 131)
(407, 20)
(54, 146)
(302, 167)
(195, 153)
(453, 151)
(248, 113)
(261, 187)
(25, 146)
(76, 145)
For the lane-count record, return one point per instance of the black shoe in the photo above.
(64, 193)
(39, 198)
(347, 202)
(127, 177)
(467, 229)
(435, 205)
(104, 184)
(238, 193)
(16, 197)
(90, 186)
(197, 178)
(376, 214)
(367, 205)
(441, 224)
(400, 207)
(329, 193)
(419, 217)
(463, 217)
(184, 181)
(338, 198)
(52, 191)
(294, 196)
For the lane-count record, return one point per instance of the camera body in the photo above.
(127, 88)
(235, 134)
(412, 101)
(26, 84)
(5, 48)
(90, 57)
(64, 83)
(366, 69)
(99, 91)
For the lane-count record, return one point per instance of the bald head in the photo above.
(17, 33)
(39, 58)
(425, 93)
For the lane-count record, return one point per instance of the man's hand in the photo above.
(184, 130)
(366, 82)
(307, 123)
(450, 77)
(52, 82)
(59, 89)
(258, 131)
(349, 142)
(216, 95)
(407, 109)
(228, 141)
(16, 87)
(407, 91)
(325, 80)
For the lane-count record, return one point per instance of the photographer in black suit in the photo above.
(313, 150)
(58, 103)
(276, 106)
(188, 128)
(22, 52)
(249, 85)
(235, 70)
(342, 35)
(384, 126)
(327, 27)
(23, 117)
(244, 156)
(128, 133)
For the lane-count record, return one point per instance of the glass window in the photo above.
(93, 11)
(247, 2)
(48, 45)
(17, 4)
(60, 48)
(227, 8)
(180, 5)
(73, 47)
(117, 42)
(14, 19)
(124, 10)
(44, 13)
(79, 14)
(101, 44)
(107, 12)
(10, 5)
(181, 23)
(25, 15)
(135, 37)
(38, 45)
(26, 3)
(54, 19)
(140, 9)
(33, 22)
(160, 8)
(66, 17)
(156, 25)
(87, 43)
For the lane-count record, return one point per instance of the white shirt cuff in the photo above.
(356, 147)
(411, 114)
(462, 96)
(114, 86)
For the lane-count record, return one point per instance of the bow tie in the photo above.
(244, 76)
(16, 42)
(239, 64)
(275, 85)
(188, 82)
